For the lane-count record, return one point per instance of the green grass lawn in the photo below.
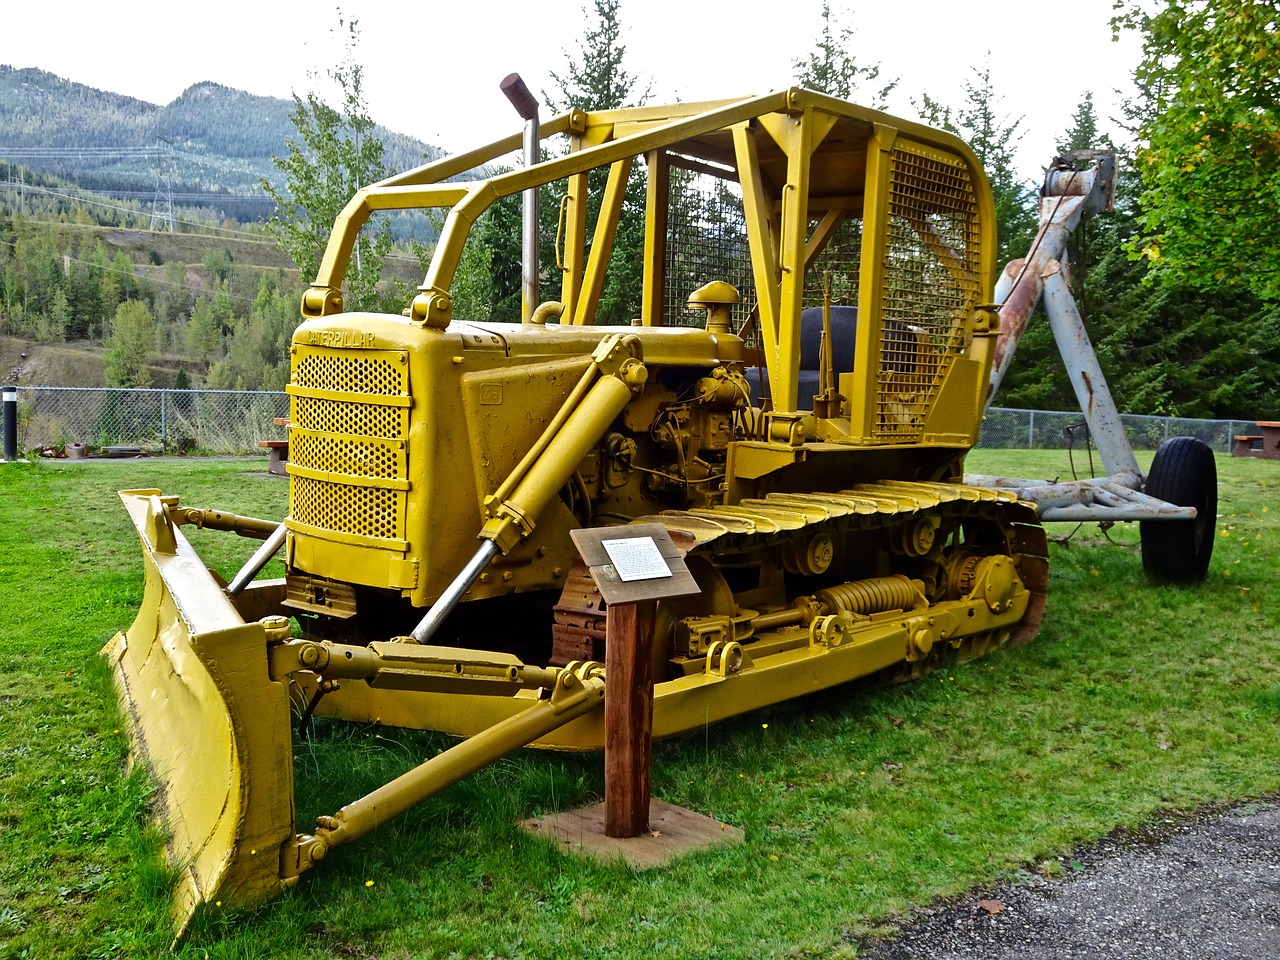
(1134, 700)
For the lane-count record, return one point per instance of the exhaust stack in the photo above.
(526, 105)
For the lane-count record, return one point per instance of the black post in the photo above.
(10, 424)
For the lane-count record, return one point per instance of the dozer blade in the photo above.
(209, 724)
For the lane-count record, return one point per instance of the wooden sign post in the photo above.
(633, 567)
(628, 717)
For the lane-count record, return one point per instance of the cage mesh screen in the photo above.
(840, 257)
(706, 240)
(931, 263)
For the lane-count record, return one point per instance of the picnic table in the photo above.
(279, 450)
(1265, 444)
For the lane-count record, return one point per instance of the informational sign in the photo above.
(636, 558)
(634, 562)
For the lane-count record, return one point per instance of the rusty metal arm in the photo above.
(1066, 199)
(572, 697)
(1100, 498)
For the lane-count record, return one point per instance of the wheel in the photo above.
(1183, 473)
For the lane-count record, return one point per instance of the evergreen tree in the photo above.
(1084, 132)
(598, 79)
(203, 334)
(487, 285)
(830, 67)
(54, 324)
(993, 139)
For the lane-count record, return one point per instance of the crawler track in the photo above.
(981, 521)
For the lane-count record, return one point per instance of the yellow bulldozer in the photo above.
(791, 394)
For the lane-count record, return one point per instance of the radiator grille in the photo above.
(346, 417)
(931, 284)
(348, 453)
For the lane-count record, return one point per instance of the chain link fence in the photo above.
(221, 422)
(233, 421)
(1009, 429)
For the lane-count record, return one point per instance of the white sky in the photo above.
(432, 69)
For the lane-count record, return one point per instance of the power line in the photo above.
(252, 237)
(189, 197)
(68, 153)
(248, 236)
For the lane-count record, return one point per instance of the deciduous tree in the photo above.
(1208, 123)
(131, 346)
(336, 154)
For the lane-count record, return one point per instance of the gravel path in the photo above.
(1206, 888)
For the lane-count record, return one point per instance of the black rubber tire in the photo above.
(1183, 473)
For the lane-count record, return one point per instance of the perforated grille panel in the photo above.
(358, 457)
(346, 417)
(360, 511)
(931, 284)
(352, 374)
(348, 443)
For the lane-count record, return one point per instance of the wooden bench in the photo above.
(279, 450)
(1247, 445)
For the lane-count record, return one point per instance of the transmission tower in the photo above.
(162, 206)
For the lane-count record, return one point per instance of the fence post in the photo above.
(164, 422)
(1031, 430)
(10, 402)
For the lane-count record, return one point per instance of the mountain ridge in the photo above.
(224, 137)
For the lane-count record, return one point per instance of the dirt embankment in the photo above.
(28, 363)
